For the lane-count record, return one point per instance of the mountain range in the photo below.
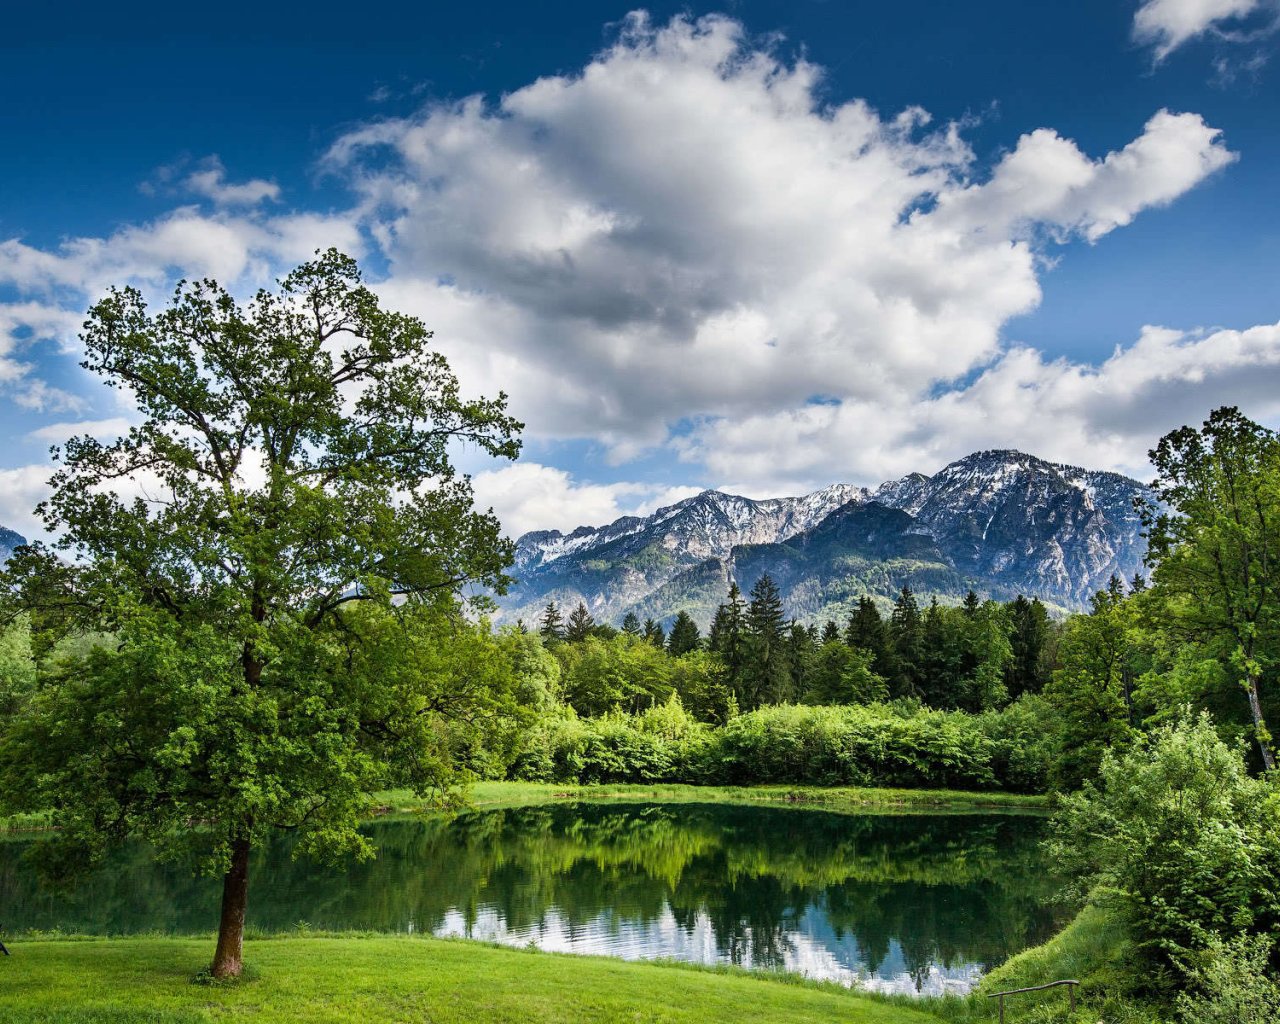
(999, 522)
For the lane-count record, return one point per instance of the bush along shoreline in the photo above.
(900, 745)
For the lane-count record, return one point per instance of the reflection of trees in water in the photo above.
(947, 889)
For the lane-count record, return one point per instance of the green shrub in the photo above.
(1180, 840)
(1231, 983)
(876, 745)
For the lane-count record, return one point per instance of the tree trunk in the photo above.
(228, 959)
(1259, 724)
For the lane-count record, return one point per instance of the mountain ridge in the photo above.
(1000, 521)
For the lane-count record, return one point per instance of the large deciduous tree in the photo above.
(292, 472)
(1215, 548)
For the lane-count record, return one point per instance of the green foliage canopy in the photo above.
(293, 473)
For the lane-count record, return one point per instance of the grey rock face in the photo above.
(1001, 522)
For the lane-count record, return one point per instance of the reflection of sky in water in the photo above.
(811, 948)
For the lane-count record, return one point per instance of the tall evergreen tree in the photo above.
(906, 644)
(802, 652)
(1028, 636)
(631, 624)
(942, 663)
(866, 631)
(653, 632)
(767, 671)
(580, 624)
(830, 632)
(684, 635)
(728, 638)
(971, 604)
(552, 627)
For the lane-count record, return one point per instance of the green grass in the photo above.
(309, 980)
(840, 798)
(844, 798)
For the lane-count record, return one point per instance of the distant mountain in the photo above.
(8, 541)
(1000, 522)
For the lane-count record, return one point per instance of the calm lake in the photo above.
(910, 903)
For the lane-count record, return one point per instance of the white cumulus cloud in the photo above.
(685, 229)
(1104, 416)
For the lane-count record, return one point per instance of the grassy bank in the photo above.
(844, 798)
(841, 798)
(396, 979)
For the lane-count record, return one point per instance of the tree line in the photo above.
(972, 657)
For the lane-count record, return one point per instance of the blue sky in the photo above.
(704, 246)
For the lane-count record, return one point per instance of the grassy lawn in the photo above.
(396, 979)
(839, 798)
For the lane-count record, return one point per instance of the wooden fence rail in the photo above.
(1071, 992)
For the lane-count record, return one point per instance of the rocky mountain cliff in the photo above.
(1001, 522)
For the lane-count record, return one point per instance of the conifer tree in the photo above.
(684, 636)
(580, 624)
(830, 632)
(906, 642)
(727, 638)
(802, 653)
(654, 634)
(552, 627)
(1028, 635)
(971, 604)
(631, 624)
(767, 671)
(866, 631)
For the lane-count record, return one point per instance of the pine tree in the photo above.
(802, 652)
(684, 636)
(971, 604)
(830, 632)
(654, 634)
(727, 638)
(580, 624)
(767, 670)
(1028, 636)
(866, 631)
(552, 627)
(631, 624)
(906, 644)
(942, 660)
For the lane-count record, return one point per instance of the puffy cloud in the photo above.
(211, 182)
(1167, 24)
(528, 496)
(1104, 416)
(1047, 182)
(684, 229)
(243, 249)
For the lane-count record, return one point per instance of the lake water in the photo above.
(902, 903)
